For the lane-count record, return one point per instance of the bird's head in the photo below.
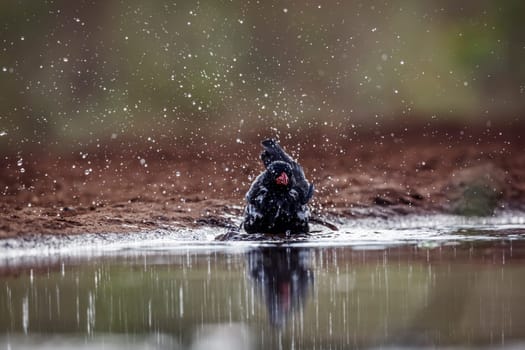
(280, 174)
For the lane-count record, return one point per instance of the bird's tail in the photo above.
(273, 152)
(322, 221)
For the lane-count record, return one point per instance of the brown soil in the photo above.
(373, 174)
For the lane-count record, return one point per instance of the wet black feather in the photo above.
(273, 208)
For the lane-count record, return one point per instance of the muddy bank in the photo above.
(125, 187)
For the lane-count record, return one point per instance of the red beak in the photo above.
(282, 179)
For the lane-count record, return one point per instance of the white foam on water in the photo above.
(359, 233)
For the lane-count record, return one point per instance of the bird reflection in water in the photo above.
(283, 278)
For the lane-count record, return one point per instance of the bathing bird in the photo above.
(277, 199)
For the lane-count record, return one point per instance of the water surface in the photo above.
(466, 291)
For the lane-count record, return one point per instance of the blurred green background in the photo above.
(86, 72)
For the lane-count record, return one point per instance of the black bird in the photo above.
(277, 200)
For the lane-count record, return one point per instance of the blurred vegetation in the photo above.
(88, 71)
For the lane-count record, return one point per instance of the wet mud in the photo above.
(130, 187)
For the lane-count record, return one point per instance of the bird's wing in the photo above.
(304, 187)
(309, 194)
(256, 189)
